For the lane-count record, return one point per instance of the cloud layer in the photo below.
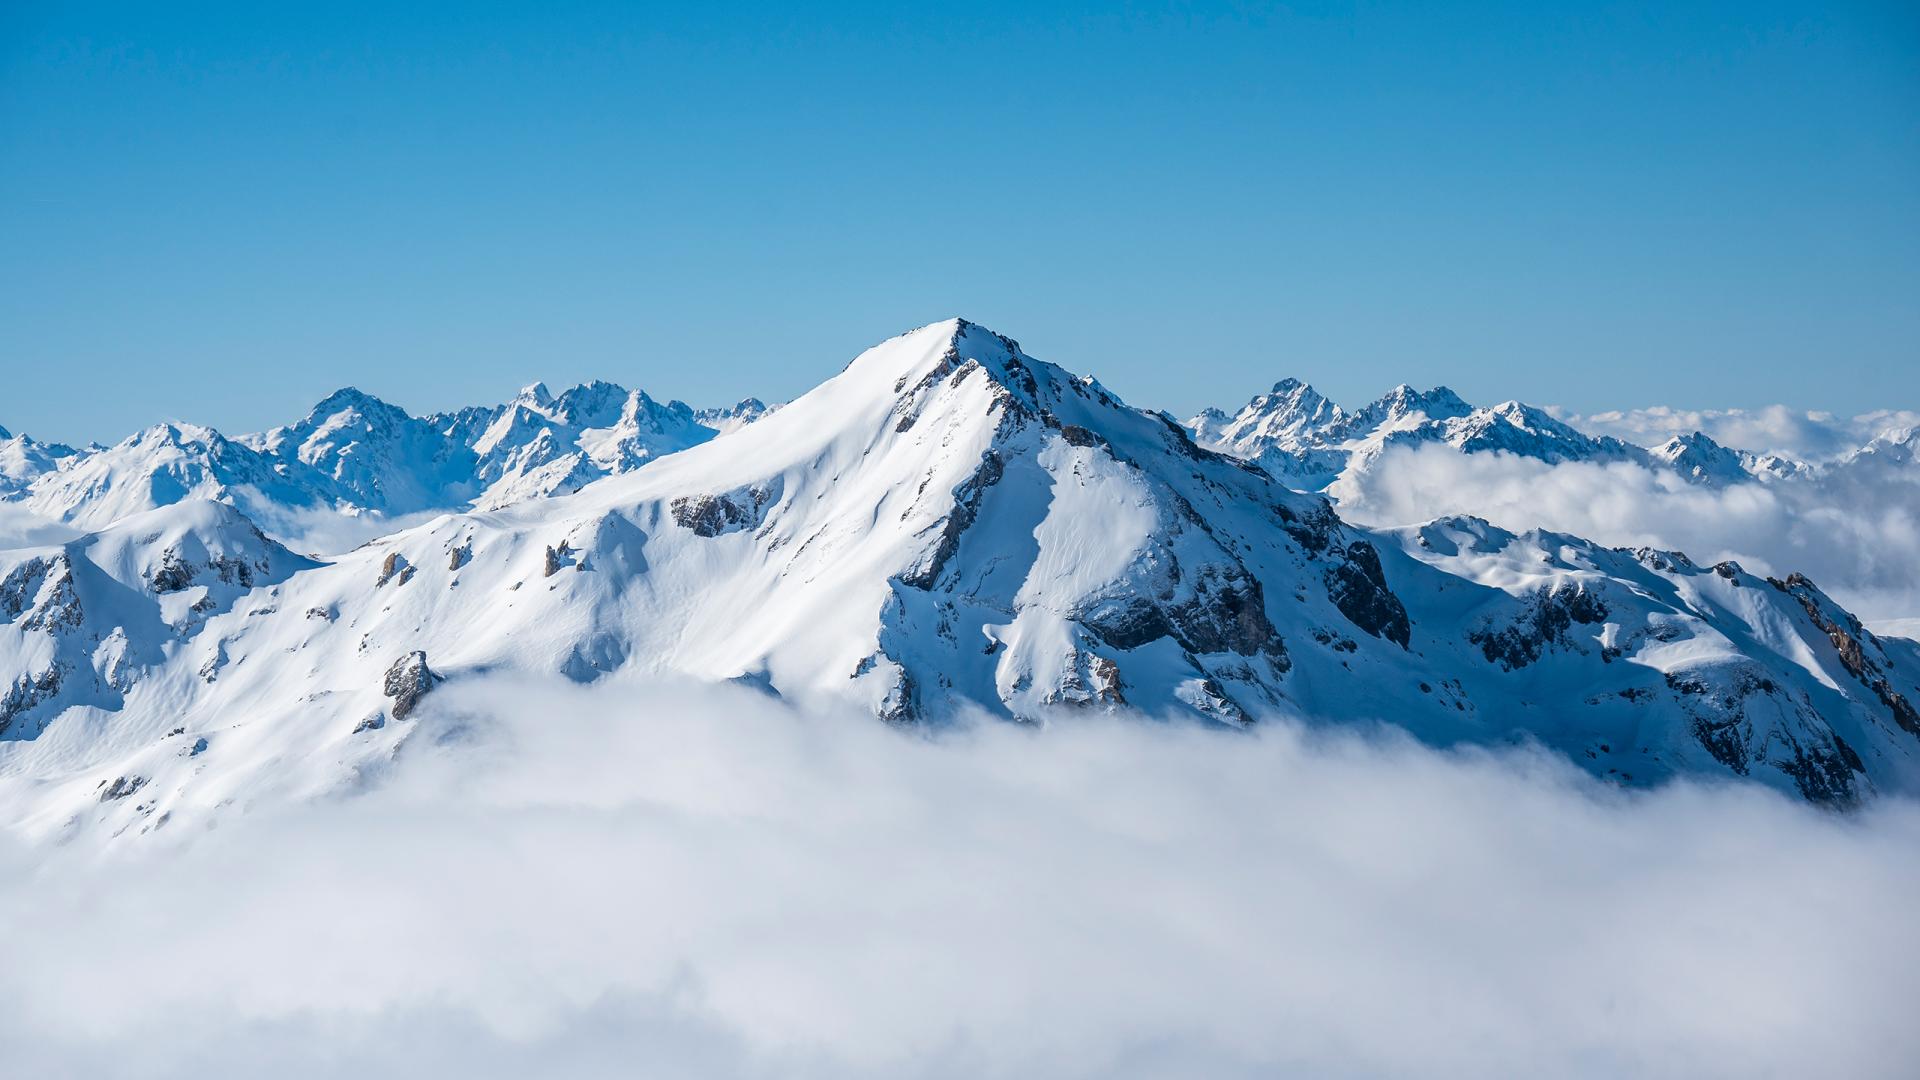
(22, 528)
(1859, 540)
(1770, 429)
(628, 879)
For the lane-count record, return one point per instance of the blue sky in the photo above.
(221, 212)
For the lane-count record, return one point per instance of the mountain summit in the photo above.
(947, 527)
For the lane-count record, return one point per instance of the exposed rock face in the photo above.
(394, 568)
(1227, 612)
(42, 589)
(1732, 710)
(407, 681)
(122, 787)
(1358, 587)
(1089, 681)
(1852, 642)
(24, 587)
(26, 692)
(966, 508)
(176, 573)
(1545, 621)
(897, 707)
(173, 573)
(730, 511)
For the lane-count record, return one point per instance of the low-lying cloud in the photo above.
(628, 879)
(1859, 540)
(20, 528)
(1771, 429)
(324, 531)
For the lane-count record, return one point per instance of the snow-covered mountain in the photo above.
(1295, 433)
(371, 455)
(167, 464)
(947, 525)
(24, 460)
(1700, 460)
(357, 455)
(538, 445)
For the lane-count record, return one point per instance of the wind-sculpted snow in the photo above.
(635, 878)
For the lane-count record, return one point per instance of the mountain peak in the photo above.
(1439, 403)
(347, 397)
(1700, 459)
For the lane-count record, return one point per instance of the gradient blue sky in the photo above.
(219, 212)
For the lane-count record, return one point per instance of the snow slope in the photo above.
(946, 526)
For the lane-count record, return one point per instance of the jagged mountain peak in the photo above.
(24, 460)
(1290, 415)
(1439, 403)
(1699, 458)
(352, 397)
(595, 403)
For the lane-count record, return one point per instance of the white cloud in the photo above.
(1858, 537)
(20, 528)
(1774, 429)
(324, 531)
(622, 879)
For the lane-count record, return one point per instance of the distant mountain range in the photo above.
(354, 453)
(1299, 436)
(948, 526)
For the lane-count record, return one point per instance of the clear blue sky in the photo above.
(219, 212)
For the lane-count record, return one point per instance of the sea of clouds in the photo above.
(1856, 535)
(634, 879)
(1800, 434)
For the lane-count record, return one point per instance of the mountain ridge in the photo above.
(948, 527)
(356, 454)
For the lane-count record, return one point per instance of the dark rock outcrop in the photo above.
(122, 787)
(27, 691)
(407, 681)
(1358, 587)
(394, 568)
(731, 511)
(1546, 620)
(1851, 641)
(966, 507)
